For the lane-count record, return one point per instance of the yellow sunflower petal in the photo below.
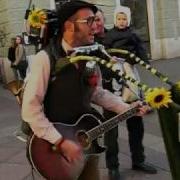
(37, 18)
(158, 97)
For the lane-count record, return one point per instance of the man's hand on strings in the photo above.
(142, 107)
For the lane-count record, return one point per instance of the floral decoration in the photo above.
(158, 97)
(37, 18)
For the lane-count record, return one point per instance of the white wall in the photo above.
(162, 47)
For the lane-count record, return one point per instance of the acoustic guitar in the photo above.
(51, 164)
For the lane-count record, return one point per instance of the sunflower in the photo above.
(158, 97)
(37, 18)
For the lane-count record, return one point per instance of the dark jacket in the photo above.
(125, 39)
(107, 74)
(11, 54)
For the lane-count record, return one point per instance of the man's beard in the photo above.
(80, 40)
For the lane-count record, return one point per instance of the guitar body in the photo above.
(51, 164)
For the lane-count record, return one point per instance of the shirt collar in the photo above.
(66, 46)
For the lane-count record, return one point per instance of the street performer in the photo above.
(68, 95)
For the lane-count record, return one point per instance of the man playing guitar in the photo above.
(65, 97)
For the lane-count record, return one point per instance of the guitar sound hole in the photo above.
(83, 139)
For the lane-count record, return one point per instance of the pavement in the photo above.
(13, 162)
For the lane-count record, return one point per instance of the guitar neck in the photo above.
(111, 123)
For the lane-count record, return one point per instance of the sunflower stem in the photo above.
(169, 119)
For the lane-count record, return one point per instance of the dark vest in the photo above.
(68, 95)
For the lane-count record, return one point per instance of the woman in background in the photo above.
(20, 62)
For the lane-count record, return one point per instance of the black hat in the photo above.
(68, 9)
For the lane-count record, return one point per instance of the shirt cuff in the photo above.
(52, 135)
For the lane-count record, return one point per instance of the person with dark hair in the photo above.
(100, 28)
(135, 124)
(11, 54)
(14, 55)
(66, 96)
(20, 62)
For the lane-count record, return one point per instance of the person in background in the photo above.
(123, 36)
(100, 28)
(11, 54)
(20, 62)
(134, 124)
(67, 96)
(11, 50)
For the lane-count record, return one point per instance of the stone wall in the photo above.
(12, 19)
(166, 15)
(11, 24)
(164, 28)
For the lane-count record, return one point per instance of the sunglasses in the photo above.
(89, 21)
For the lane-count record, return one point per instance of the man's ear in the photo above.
(69, 26)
